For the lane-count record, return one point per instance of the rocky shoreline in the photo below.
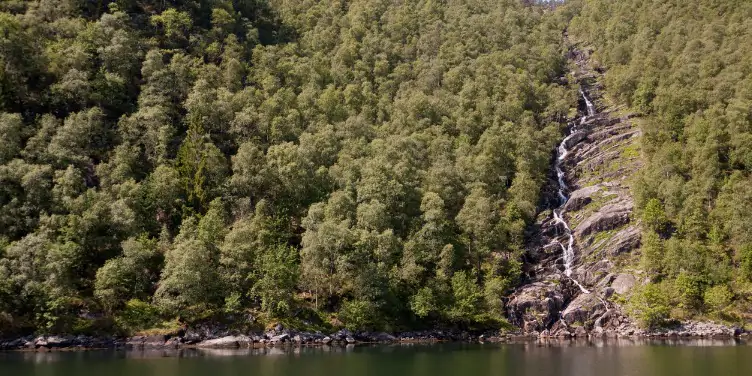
(219, 339)
(281, 337)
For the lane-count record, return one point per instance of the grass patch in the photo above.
(631, 151)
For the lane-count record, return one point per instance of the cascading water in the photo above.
(561, 153)
(589, 105)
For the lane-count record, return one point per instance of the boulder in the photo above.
(173, 342)
(40, 341)
(580, 332)
(13, 344)
(222, 342)
(592, 273)
(191, 337)
(623, 283)
(560, 330)
(146, 341)
(535, 307)
(59, 342)
(383, 337)
(155, 341)
(282, 338)
(584, 309)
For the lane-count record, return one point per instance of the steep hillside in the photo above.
(573, 283)
(657, 197)
(685, 66)
(368, 164)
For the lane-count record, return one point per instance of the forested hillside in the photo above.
(687, 67)
(369, 163)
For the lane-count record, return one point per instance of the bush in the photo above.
(359, 315)
(689, 289)
(423, 303)
(649, 304)
(718, 297)
(137, 315)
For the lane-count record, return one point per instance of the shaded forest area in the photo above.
(370, 164)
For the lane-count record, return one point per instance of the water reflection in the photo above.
(603, 342)
(153, 353)
(620, 357)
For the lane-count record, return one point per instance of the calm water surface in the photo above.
(581, 359)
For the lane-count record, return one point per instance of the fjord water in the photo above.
(561, 359)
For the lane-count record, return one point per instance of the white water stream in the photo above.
(561, 153)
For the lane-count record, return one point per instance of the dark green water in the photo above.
(625, 358)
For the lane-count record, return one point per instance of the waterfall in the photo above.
(558, 213)
(588, 104)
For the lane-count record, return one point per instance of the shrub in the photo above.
(718, 297)
(137, 315)
(649, 304)
(423, 303)
(359, 314)
(689, 289)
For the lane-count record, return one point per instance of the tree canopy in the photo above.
(373, 160)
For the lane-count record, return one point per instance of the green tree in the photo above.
(479, 221)
(190, 284)
(277, 278)
(10, 132)
(130, 276)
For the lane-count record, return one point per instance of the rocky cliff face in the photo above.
(602, 153)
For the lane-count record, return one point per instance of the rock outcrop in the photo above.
(602, 155)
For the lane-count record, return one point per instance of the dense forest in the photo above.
(370, 164)
(686, 66)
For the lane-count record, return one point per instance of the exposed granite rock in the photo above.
(623, 241)
(227, 342)
(599, 210)
(575, 137)
(583, 309)
(581, 197)
(536, 306)
(147, 341)
(623, 283)
(606, 218)
(282, 338)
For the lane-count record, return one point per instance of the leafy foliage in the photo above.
(373, 160)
